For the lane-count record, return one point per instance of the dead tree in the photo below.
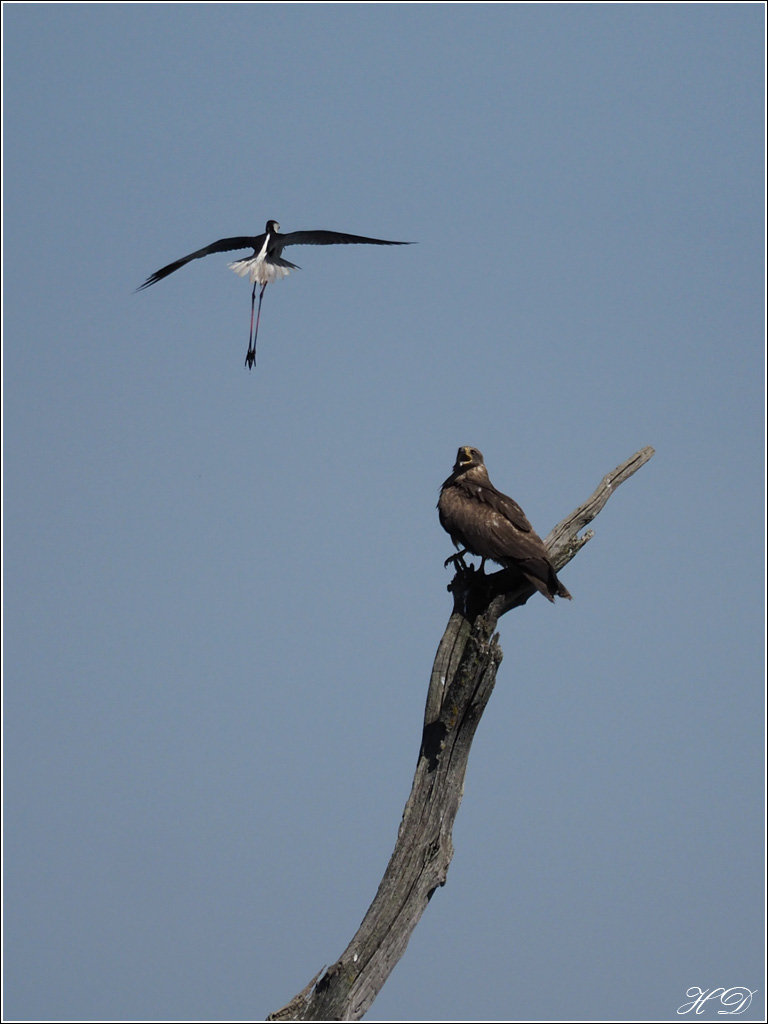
(463, 677)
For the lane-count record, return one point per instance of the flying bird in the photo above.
(487, 523)
(267, 263)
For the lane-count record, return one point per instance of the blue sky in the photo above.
(224, 590)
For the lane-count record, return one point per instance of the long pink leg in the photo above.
(250, 357)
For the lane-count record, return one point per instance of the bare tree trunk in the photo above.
(463, 677)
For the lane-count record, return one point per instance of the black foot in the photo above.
(458, 561)
(250, 358)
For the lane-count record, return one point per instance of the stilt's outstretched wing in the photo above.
(330, 238)
(223, 245)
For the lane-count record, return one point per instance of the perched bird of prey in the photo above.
(267, 263)
(487, 523)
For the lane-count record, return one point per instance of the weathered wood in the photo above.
(461, 683)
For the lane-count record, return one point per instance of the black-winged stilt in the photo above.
(267, 263)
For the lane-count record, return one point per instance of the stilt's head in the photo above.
(272, 227)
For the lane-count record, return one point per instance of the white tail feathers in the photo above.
(259, 271)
